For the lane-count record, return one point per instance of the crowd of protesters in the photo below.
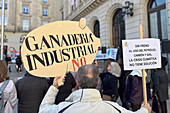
(81, 91)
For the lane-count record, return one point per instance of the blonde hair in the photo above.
(116, 70)
(108, 62)
(3, 71)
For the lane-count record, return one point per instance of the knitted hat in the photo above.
(116, 70)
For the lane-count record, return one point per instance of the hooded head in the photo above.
(138, 73)
(116, 70)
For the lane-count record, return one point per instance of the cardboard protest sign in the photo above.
(57, 47)
(111, 54)
(141, 54)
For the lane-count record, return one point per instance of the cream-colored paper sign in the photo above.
(54, 48)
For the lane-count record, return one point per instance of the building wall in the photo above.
(168, 14)
(13, 30)
(13, 40)
(104, 12)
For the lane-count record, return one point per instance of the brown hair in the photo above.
(3, 71)
(108, 62)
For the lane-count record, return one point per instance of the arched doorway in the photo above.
(118, 28)
(157, 19)
(97, 29)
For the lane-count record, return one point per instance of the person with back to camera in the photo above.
(30, 92)
(18, 63)
(134, 89)
(85, 100)
(10, 94)
(160, 88)
(8, 62)
(110, 81)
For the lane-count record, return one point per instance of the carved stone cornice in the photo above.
(84, 9)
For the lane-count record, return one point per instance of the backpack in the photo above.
(2, 105)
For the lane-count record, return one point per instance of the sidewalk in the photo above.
(14, 74)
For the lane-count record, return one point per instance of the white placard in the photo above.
(141, 54)
(100, 55)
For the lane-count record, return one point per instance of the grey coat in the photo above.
(160, 84)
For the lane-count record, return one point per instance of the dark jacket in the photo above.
(109, 84)
(66, 89)
(134, 90)
(30, 92)
(160, 84)
(8, 59)
(123, 85)
(18, 61)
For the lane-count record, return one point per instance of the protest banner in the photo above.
(110, 54)
(55, 48)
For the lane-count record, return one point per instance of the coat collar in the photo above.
(138, 73)
(84, 95)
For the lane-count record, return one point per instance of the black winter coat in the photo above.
(109, 83)
(160, 84)
(30, 92)
(66, 89)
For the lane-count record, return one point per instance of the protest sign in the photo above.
(141, 54)
(110, 54)
(100, 55)
(55, 48)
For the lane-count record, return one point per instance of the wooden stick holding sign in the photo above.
(143, 72)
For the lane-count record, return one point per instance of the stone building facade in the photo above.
(22, 16)
(105, 19)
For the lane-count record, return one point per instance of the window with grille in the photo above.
(45, 12)
(25, 9)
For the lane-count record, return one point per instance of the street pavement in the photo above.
(14, 74)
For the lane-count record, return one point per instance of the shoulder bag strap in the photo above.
(113, 106)
(62, 110)
(4, 85)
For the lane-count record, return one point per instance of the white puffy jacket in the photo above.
(85, 101)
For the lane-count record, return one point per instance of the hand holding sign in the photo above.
(57, 47)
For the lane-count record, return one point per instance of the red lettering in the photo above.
(76, 63)
(83, 59)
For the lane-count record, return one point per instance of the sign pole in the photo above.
(143, 71)
(2, 28)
